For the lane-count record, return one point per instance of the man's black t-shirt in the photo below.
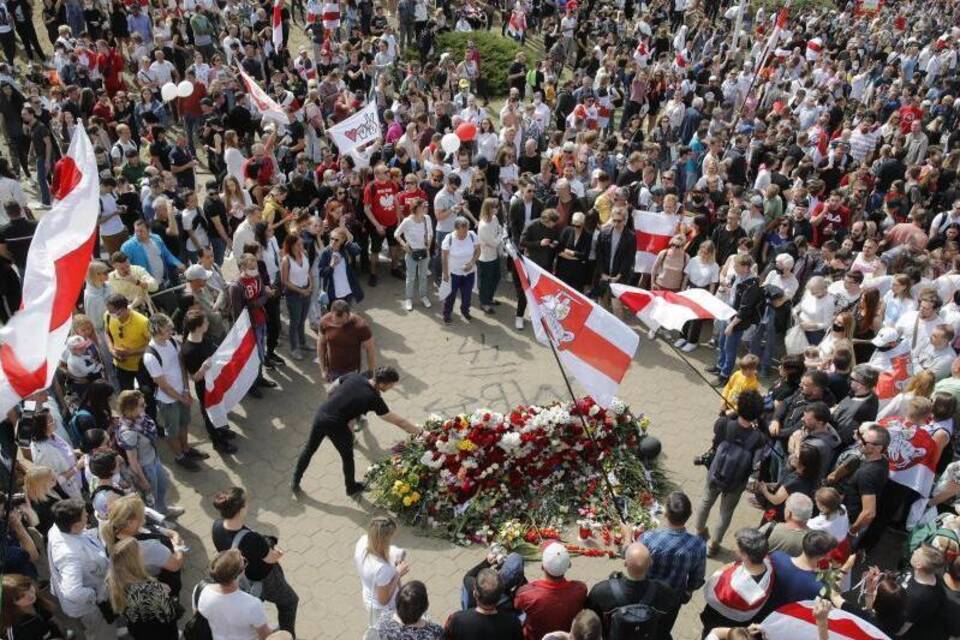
(352, 398)
(923, 605)
(17, 236)
(868, 480)
(472, 625)
(654, 593)
(254, 548)
(39, 133)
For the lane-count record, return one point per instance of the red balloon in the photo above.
(467, 132)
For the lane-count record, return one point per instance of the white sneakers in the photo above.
(518, 323)
(408, 304)
(690, 346)
(680, 343)
(426, 302)
(652, 334)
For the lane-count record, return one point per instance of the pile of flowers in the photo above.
(524, 476)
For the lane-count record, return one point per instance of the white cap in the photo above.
(556, 559)
(196, 272)
(885, 337)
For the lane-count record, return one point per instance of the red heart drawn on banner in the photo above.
(351, 135)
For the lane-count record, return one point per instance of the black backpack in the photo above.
(636, 621)
(733, 459)
(197, 627)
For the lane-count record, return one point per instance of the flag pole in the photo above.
(583, 422)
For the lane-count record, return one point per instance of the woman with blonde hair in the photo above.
(161, 549)
(841, 331)
(95, 295)
(381, 567)
(42, 491)
(898, 300)
(919, 386)
(815, 311)
(490, 233)
(150, 609)
(235, 200)
(669, 269)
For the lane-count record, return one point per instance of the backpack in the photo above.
(197, 627)
(636, 621)
(733, 460)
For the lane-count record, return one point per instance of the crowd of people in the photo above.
(810, 158)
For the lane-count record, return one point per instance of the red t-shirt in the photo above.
(406, 199)
(549, 605)
(382, 199)
(252, 288)
(833, 222)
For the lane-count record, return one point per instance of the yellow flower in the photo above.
(407, 501)
(466, 445)
(414, 497)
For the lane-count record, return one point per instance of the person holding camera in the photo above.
(509, 566)
(21, 554)
(415, 235)
(485, 620)
(263, 574)
(736, 440)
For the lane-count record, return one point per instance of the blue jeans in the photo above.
(219, 248)
(766, 343)
(159, 481)
(297, 308)
(42, 178)
(727, 345)
(463, 284)
(416, 275)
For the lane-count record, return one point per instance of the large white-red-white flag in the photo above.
(796, 622)
(653, 231)
(269, 109)
(735, 594)
(672, 310)
(894, 367)
(277, 21)
(592, 344)
(32, 343)
(234, 369)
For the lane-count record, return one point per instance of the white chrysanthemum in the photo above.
(509, 441)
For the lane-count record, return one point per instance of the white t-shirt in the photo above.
(188, 216)
(374, 572)
(341, 283)
(161, 72)
(108, 206)
(461, 252)
(232, 616)
(414, 232)
(702, 274)
(169, 368)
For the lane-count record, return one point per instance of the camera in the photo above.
(705, 458)
(27, 424)
(18, 500)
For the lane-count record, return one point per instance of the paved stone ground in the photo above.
(444, 370)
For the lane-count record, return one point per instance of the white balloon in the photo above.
(168, 92)
(450, 143)
(185, 89)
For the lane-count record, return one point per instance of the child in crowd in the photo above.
(743, 379)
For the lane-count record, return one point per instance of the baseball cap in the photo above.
(464, 83)
(885, 337)
(196, 272)
(556, 559)
(569, 147)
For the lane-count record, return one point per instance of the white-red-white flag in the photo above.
(269, 109)
(32, 343)
(733, 593)
(796, 622)
(894, 367)
(234, 368)
(593, 344)
(672, 310)
(912, 455)
(331, 16)
(277, 25)
(653, 231)
(814, 47)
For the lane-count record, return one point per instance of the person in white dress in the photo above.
(381, 568)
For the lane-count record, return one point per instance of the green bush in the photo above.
(496, 55)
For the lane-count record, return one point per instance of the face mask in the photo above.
(252, 273)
